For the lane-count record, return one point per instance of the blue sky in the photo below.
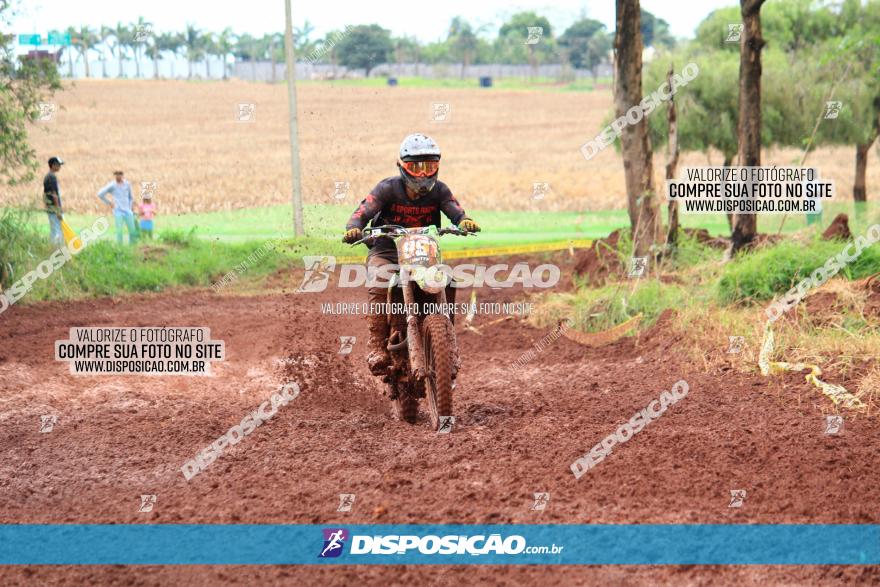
(426, 21)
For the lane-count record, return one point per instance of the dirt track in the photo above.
(516, 433)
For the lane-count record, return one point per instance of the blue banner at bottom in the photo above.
(371, 544)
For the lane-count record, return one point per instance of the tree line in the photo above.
(583, 45)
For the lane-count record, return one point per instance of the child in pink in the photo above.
(147, 212)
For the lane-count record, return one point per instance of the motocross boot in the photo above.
(378, 360)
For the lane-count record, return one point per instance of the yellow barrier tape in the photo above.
(351, 259)
(836, 393)
(517, 249)
(495, 251)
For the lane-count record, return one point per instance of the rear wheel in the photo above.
(436, 333)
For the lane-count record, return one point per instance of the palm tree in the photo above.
(464, 40)
(155, 53)
(180, 50)
(301, 38)
(141, 31)
(159, 44)
(86, 39)
(225, 44)
(105, 36)
(124, 39)
(170, 42)
(192, 41)
(247, 48)
(302, 44)
(69, 48)
(209, 47)
(270, 45)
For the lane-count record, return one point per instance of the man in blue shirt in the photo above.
(122, 206)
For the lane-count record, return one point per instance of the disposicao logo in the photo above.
(334, 540)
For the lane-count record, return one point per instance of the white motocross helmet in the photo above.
(419, 162)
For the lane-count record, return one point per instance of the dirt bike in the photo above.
(422, 343)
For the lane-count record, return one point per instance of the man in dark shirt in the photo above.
(413, 199)
(52, 201)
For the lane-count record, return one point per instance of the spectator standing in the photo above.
(122, 206)
(147, 212)
(52, 200)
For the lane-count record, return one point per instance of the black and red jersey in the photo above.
(387, 203)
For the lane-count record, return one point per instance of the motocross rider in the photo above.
(415, 198)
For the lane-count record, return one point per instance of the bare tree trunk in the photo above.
(121, 71)
(859, 186)
(155, 64)
(672, 160)
(727, 161)
(533, 61)
(636, 144)
(86, 60)
(860, 193)
(749, 123)
(272, 57)
(70, 60)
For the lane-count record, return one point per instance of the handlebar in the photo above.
(391, 230)
(454, 230)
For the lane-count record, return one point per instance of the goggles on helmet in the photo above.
(420, 168)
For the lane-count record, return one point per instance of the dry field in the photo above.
(496, 144)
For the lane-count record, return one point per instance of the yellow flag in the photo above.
(73, 242)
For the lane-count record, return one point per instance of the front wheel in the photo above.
(436, 334)
(405, 407)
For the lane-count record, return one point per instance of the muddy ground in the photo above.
(517, 432)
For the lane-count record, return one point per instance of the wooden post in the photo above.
(294, 135)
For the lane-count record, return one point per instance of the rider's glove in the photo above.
(469, 225)
(352, 235)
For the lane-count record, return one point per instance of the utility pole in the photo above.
(294, 135)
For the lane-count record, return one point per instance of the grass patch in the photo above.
(707, 297)
(500, 228)
(177, 258)
(20, 243)
(598, 309)
(105, 268)
(774, 270)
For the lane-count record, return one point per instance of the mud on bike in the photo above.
(422, 343)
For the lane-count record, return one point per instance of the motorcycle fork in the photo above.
(413, 336)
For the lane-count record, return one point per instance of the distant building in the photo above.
(41, 54)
